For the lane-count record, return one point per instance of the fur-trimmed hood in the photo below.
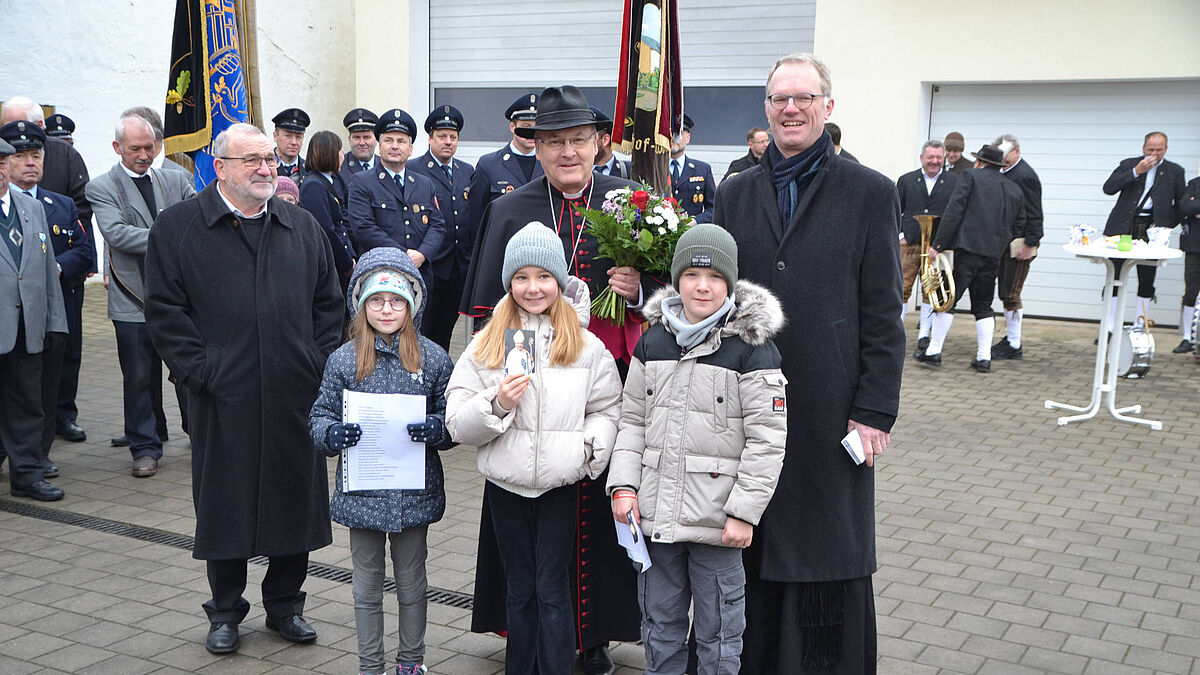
(757, 315)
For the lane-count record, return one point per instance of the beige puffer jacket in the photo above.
(702, 433)
(561, 430)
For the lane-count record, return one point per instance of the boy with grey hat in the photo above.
(698, 491)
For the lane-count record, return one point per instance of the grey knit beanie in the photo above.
(534, 245)
(706, 245)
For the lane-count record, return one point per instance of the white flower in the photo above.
(662, 230)
(611, 194)
(654, 220)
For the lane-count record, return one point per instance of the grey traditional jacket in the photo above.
(703, 431)
(386, 510)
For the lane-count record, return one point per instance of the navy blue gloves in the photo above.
(433, 431)
(341, 436)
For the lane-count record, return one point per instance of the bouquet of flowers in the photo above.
(634, 228)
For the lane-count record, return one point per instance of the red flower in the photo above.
(672, 201)
(640, 199)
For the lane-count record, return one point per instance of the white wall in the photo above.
(884, 55)
(94, 59)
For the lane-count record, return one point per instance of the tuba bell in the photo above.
(937, 275)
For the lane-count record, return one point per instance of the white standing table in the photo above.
(1119, 265)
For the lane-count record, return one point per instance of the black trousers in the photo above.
(1145, 273)
(141, 375)
(281, 592)
(536, 538)
(66, 411)
(21, 412)
(52, 366)
(1191, 277)
(976, 274)
(441, 312)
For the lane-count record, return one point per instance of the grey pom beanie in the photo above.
(534, 245)
(706, 245)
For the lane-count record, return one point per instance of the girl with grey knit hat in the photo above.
(536, 436)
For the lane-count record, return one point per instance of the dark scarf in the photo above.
(792, 176)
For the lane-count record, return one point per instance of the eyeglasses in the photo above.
(376, 303)
(254, 161)
(557, 144)
(802, 100)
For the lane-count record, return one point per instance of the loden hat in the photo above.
(989, 154)
(534, 245)
(954, 141)
(706, 245)
(562, 107)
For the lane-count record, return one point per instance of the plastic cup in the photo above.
(1125, 243)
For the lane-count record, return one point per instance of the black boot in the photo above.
(597, 661)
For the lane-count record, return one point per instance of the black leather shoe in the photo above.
(934, 360)
(72, 432)
(597, 661)
(981, 366)
(223, 638)
(292, 628)
(1183, 347)
(41, 491)
(1004, 350)
(51, 470)
(120, 442)
(922, 345)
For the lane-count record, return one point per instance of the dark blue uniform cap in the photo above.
(60, 126)
(292, 119)
(23, 136)
(444, 117)
(360, 119)
(687, 122)
(603, 124)
(396, 120)
(524, 108)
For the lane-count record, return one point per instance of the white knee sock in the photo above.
(1012, 325)
(939, 329)
(1143, 311)
(926, 314)
(903, 310)
(984, 330)
(1185, 322)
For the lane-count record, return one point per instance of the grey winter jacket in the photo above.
(386, 510)
(702, 432)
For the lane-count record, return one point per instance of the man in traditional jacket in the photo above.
(249, 342)
(565, 136)
(820, 231)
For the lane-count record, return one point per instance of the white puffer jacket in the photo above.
(564, 426)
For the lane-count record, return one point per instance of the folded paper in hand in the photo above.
(853, 444)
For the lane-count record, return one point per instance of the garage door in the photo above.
(1073, 135)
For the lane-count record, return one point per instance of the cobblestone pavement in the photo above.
(1007, 544)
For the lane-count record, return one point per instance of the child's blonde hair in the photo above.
(568, 334)
(363, 335)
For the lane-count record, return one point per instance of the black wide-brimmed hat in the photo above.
(559, 108)
(990, 155)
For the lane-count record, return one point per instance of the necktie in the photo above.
(675, 172)
(13, 237)
(601, 169)
(446, 170)
(28, 193)
(147, 191)
(366, 166)
(399, 184)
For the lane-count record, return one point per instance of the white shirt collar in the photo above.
(6, 200)
(130, 172)
(235, 210)
(393, 174)
(33, 190)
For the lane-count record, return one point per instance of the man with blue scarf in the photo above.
(820, 231)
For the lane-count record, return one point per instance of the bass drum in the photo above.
(1137, 352)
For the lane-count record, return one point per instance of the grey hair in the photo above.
(119, 133)
(932, 143)
(32, 110)
(151, 116)
(810, 59)
(220, 145)
(1007, 138)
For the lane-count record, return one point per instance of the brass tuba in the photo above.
(937, 275)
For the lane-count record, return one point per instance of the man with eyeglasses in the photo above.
(244, 305)
(757, 140)
(564, 132)
(820, 231)
(691, 180)
(126, 202)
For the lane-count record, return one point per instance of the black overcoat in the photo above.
(248, 335)
(836, 269)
